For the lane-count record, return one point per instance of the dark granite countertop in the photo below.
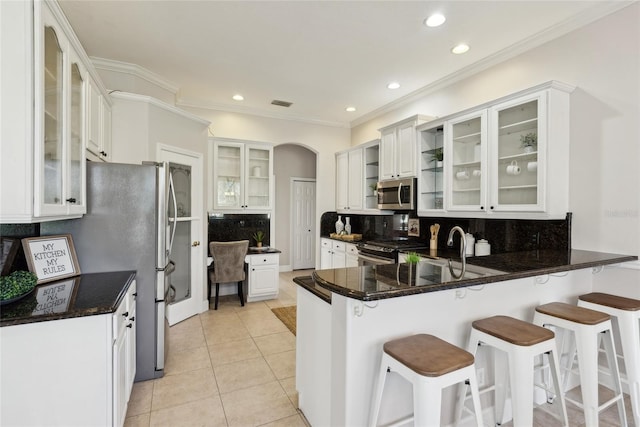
(308, 283)
(84, 295)
(264, 250)
(395, 280)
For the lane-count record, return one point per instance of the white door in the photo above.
(303, 205)
(188, 285)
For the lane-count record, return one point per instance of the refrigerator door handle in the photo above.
(175, 212)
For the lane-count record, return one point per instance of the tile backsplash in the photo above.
(230, 227)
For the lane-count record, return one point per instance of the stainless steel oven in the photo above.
(385, 251)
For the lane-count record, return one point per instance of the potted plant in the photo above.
(412, 258)
(529, 142)
(437, 156)
(374, 188)
(259, 236)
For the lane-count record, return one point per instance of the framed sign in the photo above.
(414, 227)
(8, 251)
(51, 257)
(56, 297)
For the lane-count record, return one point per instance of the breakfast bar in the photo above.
(345, 316)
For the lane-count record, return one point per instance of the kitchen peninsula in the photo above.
(345, 316)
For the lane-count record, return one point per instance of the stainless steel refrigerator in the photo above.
(127, 227)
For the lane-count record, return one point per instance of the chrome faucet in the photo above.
(463, 250)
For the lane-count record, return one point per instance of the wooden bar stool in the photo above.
(627, 313)
(588, 326)
(431, 365)
(520, 343)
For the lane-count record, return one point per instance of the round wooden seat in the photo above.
(573, 313)
(613, 301)
(513, 331)
(428, 355)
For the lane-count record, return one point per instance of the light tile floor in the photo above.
(236, 367)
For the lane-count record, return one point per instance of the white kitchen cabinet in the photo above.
(70, 372)
(242, 175)
(357, 173)
(349, 180)
(99, 123)
(351, 257)
(487, 170)
(398, 149)
(44, 81)
(263, 276)
(332, 253)
(431, 185)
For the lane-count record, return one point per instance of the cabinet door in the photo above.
(75, 189)
(93, 140)
(342, 181)
(119, 378)
(371, 173)
(356, 179)
(106, 130)
(431, 172)
(227, 175)
(465, 165)
(325, 254)
(387, 154)
(259, 165)
(263, 280)
(406, 151)
(517, 154)
(50, 155)
(131, 338)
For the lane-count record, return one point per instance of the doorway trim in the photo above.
(292, 181)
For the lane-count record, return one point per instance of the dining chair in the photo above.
(228, 266)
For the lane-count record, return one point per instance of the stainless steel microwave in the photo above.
(398, 194)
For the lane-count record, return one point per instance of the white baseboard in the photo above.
(285, 268)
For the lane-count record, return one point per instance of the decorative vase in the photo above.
(347, 226)
(339, 225)
(529, 149)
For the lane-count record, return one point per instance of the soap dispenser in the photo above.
(470, 243)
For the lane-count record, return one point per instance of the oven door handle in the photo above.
(375, 259)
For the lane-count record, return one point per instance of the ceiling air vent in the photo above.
(281, 103)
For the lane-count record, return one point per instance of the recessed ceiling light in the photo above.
(238, 97)
(350, 109)
(393, 85)
(461, 48)
(435, 20)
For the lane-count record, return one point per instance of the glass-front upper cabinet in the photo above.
(465, 164)
(519, 147)
(431, 177)
(258, 177)
(242, 175)
(60, 131)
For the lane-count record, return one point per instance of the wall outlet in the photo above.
(481, 377)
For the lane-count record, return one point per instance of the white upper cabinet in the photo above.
(356, 178)
(349, 180)
(242, 175)
(508, 158)
(431, 186)
(398, 149)
(44, 108)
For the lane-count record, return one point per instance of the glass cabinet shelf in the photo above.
(518, 187)
(469, 138)
(519, 127)
(522, 156)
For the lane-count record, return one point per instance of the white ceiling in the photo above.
(321, 55)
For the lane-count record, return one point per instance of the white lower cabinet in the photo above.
(337, 254)
(69, 372)
(263, 276)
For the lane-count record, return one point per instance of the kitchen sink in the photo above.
(471, 271)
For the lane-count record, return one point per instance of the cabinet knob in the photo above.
(132, 318)
(195, 243)
(481, 208)
(491, 207)
(125, 314)
(253, 269)
(130, 325)
(264, 260)
(71, 200)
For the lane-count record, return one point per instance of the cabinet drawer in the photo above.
(270, 259)
(326, 243)
(338, 246)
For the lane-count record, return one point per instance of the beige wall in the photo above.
(290, 161)
(603, 61)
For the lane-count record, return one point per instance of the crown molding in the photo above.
(135, 70)
(190, 103)
(157, 103)
(593, 14)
